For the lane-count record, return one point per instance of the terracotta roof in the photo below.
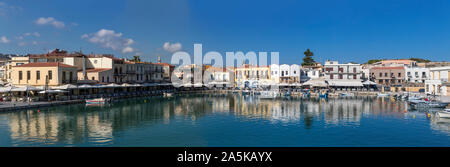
(96, 70)
(46, 64)
(165, 64)
(387, 68)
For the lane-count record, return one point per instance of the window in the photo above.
(399, 74)
(50, 77)
(354, 76)
(340, 76)
(103, 79)
(28, 75)
(20, 75)
(38, 75)
(354, 69)
(93, 78)
(331, 76)
(381, 74)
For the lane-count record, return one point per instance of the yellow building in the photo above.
(15, 61)
(41, 74)
(249, 72)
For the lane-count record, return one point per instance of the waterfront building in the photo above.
(44, 74)
(335, 71)
(15, 61)
(221, 76)
(249, 75)
(308, 73)
(4, 59)
(397, 62)
(104, 68)
(416, 74)
(438, 83)
(285, 74)
(167, 70)
(101, 75)
(388, 76)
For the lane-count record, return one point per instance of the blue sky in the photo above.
(344, 30)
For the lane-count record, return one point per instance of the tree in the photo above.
(308, 60)
(136, 59)
(373, 61)
(419, 60)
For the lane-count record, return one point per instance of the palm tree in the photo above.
(136, 59)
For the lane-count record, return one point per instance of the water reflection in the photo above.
(81, 125)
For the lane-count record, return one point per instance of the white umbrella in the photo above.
(52, 91)
(113, 85)
(25, 89)
(86, 86)
(6, 89)
(369, 83)
(65, 87)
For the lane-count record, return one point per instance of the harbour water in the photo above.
(227, 120)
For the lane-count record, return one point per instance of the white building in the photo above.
(438, 81)
(333, 71)
(309, 73)
(416, 74)
(285, 73)
(275, 73)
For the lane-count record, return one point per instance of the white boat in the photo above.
(444, 114)
(268, 94)
(168, 94)
(97, 101)
(427, 104)
(383, 94)
(347, 94)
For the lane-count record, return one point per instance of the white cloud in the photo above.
(21, 43)
(50, 21)
(6, 9)
(127, 50)
(110, 39)
(172, 47)
(3, 39)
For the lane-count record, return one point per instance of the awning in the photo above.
(369, 83)
(25, 89)
(316, 83)
(6, 89)
(345, 83)
(52, 91)
(65, 87)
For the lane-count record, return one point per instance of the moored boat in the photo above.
(268, 94)
(383, 94)
(97, 101)
(444, 114)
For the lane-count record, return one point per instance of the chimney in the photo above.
(159, 59)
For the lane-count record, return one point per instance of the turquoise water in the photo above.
(227, 120)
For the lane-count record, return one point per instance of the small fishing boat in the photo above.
(347, 94)
(427, 104)
(98, 101)
(268, 94)
(167, 94)
(323, 95)
(444, 114)
(383, 94)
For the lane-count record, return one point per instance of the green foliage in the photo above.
(308, 60)
(373, 61)
(136, 59)
(419, 60)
